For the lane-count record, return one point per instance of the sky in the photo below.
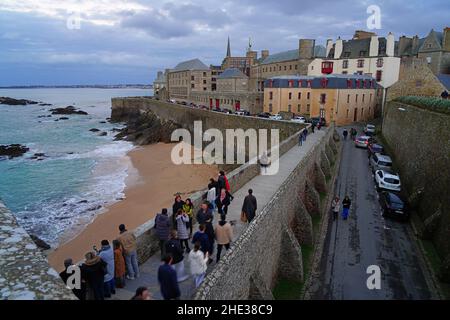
(63, 42)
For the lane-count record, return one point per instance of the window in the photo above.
(308, 95)
(345, 64)
(270, 108)
(289, 108)
(356, 99)
(307, 107)
(344, 72)
(296, 67)
(270, 95)
(348, 98)
(299, 107)
(279, 68)
(290, 67)
(192, 85)
(309, 82)
(346, 54)
(379, 75)
(299, 96)
(204, 89)
(380, 62)
(360, 63)
(291, 83)
(418, 83)
(349, 83)
(324, 82)
(204, 81)
(347, 112)
(192, 78)
(323, 98)
(285, 68)
(362, 53)
(364, 97)
(290, 95)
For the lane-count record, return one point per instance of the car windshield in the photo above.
(385, 164)
(392, 180)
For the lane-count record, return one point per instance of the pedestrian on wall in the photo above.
(335, 207)
(224, 184)
(198, 262)
(202, 238)
(107, 255)
(305, 134)
(223, 201)
(188, 208)
(79, 293)
(205, 217)
(213, 184)
(300, 139)
(142, 293)
(175, 250)
(346, 203)
(177, 204)
(182, 224)
(128, 241)
(224, 235)
(167, 278)
(249, 207)
(313, 126)
(94, 270)
(119, 265)
(212, 193)
(345, 134)
(162, 227)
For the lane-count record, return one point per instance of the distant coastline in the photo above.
(95, 86)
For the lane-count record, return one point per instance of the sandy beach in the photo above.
(153, 188)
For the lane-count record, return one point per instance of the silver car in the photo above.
(362, 142)
(380, 161)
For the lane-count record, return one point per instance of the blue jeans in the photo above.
(345, 213)
(109, 287)
(132, 264)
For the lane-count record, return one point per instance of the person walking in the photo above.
(107, 255)
(335, 207)
(313, 126)
(305, 134)
(249, 206)
(182, 224)
(224, 184)
(142, 293)
(300, 139)
(212, 194)
(128, 241)
(346, 203)
(119, 265)
(80, 293)
(94, 270)
(178, 204)
(224, 235)
(162, 226)
(167, 278)
(188, 208)
(223, 201)
(198, 263)
(213, 184)
(175, 250)
(345, 134)
(202, 238)
(205, 217)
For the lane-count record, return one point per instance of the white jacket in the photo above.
(211, 196)
(197, 262)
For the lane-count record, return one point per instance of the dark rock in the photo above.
(16, 102)
(40, 155)
(116, 130)
(102, 134)
(63, 118)
(68, 110)
(13, 150)
(95, 208)
(102, 121)
(70, 153)
(45, 104)
(94, 130)
(82, 201)
(41, 244)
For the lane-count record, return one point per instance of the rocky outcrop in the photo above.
(94, 130)
(13, 150)
(147, 128)
(16, 102)
(41, 244)
(68, 110)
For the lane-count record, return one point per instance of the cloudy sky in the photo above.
(58, 42)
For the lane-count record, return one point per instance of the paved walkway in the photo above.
(264, 187)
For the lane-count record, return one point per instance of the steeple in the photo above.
(249, 45)
(228, 48)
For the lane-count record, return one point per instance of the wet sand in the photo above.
(153, 185)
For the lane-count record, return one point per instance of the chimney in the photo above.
(338, 48)
(446, 39)
(390, 45)
(403, 43)
(306, 48)
(374, 45)
(415, 44)
(264, 53)
(329, 47)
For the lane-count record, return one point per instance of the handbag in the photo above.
(243, 217)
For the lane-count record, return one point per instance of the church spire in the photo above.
(228, 48)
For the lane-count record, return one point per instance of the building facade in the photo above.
(338, 98)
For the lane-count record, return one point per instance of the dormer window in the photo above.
(362, 53)
(346, 54)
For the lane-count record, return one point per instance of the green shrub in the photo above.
(430, 103)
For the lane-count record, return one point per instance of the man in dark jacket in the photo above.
(205, 217)
(249, 206)
(221, 181)
(167, 278)
(346, 203)
(162, 226)
(178, 204)
(94, 270)
(79, 293)
(201, 237)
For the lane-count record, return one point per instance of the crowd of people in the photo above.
(111, 267)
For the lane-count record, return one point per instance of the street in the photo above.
(367, 239)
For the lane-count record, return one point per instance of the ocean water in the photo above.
(82, 172)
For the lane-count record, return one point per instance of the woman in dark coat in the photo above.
(223, 200)
(177, 205)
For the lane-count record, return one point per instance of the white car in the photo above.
(298, 119)
(387, 180)
(380, 161)
(362, 142)
(369, 129)
(276, 117)
(239, 113)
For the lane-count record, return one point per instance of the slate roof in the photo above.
(445, 80)
(356, 46)
(194, 64)
(319, 51)
(232, 73)
(335, 81)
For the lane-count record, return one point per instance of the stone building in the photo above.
(339, 98)
(159, 84)
(188, 77)
(242, 63)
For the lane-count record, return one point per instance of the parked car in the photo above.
(393, 206)
(276, 117)
(264, 115)
(362, 141)
(184, 103)
(380, 162)
(299, 119)
(369, 130)
(228, 111)
(239, 113)
(375, 148)
(317, 120)
(217, 109)
(387, 180)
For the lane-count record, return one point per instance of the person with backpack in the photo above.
(162, 226)
(175, 250)
(346, 203)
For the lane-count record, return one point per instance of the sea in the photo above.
(81, 173)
